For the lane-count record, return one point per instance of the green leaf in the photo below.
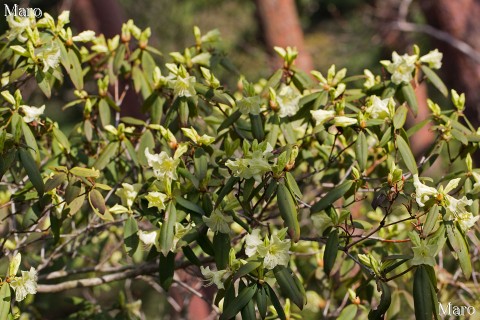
(32, 170)
(227, 188)
(290, 289)
(248, 312)
(332, 196)
(166, 270)
(221, 247)
(130, 236)
(458, 242)
(230, 120)
(385, 301)
(189, 206)
(349, 313)
(146, 141)
(407, 155)
(5, 299)
(106, 156)
(104, 111)
(409, 95)
(261, 300)
(422, 294)
(400, 117)
(330, 254)
(31, 142)
(43, 81)
(240, 301)
(257, 127)
(97, 201)
(55, 181)
(292, 185)
(61, 138)
(85, 172)
(275, 302)
(361, 150)
(74, 69)
(72, 191)
(167, 229)
(288, 211)
(119, 58)
(247, 268)
(436, 81)
(431, 220)
(201, 164)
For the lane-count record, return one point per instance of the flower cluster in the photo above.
(254, 164)
(455, 207)
(273, 250)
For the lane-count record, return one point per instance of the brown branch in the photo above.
(91, 282)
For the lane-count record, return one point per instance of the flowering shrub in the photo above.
(295, 188)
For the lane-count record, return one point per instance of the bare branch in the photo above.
(91, 282)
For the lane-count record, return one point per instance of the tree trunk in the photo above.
(460, 19)
(281, 27)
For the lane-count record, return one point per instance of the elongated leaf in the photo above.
(257, 127)
(261, 300)
(106, 156)
(146, 141)
(275, 302)
(248, 312)
(435, 79)
(330, 254)
(130, 236)
(227, 188)
(332, 196)
(422, 295)
(97, 201)
(292, 185)
(166, 270)
(5, 301)
(31, 142)
(247, 268)
(288, 211)
(460, 246)
(385, 300)
(32, 170)
(407, 155)
(190, 206)
(230, 120)
(61, 138)
(361, 150)
(43, 81)
(74, 69)
(55, 181)
(85, 172)
(72, 191)
(409, 95)
(201, 164)
(349, 313)
(431, 220)
(240, 301)
(104, 111)
(221, 246)
(167, 229)
(290, 289)
(400, 117)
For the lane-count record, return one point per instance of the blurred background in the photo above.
(355, 34)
